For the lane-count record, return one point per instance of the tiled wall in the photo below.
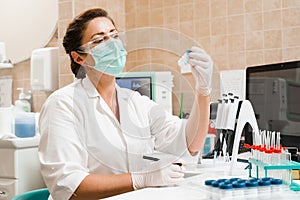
(20, 74)
(236, 33)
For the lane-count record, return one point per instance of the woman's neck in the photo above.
(104, 84)
(106, 87)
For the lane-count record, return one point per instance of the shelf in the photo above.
(19, 143)
(6, 65)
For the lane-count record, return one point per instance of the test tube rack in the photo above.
(288, 165)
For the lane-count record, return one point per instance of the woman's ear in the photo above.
(77, 58)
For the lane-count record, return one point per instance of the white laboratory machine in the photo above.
(156, 85)
(19, 166)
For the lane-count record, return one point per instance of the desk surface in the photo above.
(193, 187)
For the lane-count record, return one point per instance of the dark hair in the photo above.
(74, 35)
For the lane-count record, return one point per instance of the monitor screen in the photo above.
(274, 92)
(293, 99)
(140, 84)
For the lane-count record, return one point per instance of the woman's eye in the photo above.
(115, 35)
(97, 41)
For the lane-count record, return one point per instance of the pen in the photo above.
(150, 158)
(179, 164)
(157, 159)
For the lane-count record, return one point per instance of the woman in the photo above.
(94, 134)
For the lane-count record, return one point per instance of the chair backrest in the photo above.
(40, 194)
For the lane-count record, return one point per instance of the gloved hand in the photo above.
(159, 174)
(202, 68)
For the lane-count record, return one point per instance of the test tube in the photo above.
(286, 158)
(254, 143)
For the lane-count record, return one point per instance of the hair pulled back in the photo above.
(74, 34)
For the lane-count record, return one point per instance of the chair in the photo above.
(40, 194)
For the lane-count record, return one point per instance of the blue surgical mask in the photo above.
(109, 57)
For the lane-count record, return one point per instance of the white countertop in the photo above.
(19, 143)
(193, 187)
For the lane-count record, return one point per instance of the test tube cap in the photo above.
(264, 183)
(225, 186)
(234, 179)
(215, 184)
(237, 184)
(208, 182)
(251, 183)
(276, 181)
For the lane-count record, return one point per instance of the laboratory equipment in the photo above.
(208, 144)
(239, 188)
(274, 91)
(281, 170)
(28, 97)
(232, 115)
(24, 124)
(270, 159)
(156, 85)
(245, 116)
(22, 105)
(185, 67)
(44, 69)
(19, 168)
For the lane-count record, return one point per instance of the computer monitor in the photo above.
(141, 84)
(155, 85)
(274, 91)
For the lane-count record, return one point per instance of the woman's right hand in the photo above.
(159, 174)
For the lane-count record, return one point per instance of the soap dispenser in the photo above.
(22, 105)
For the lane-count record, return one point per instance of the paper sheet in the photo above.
(233, 81)
(5, 91)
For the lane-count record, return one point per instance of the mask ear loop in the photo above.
(88, 54)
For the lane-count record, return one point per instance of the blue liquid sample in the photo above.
(24, 130)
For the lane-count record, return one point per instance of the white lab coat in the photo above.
(81, 136)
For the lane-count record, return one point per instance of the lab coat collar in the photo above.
(92, 91)
(90, 88)
(121, 94)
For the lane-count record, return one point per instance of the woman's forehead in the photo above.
(98, 25)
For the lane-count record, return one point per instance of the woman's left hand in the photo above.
(202, 68)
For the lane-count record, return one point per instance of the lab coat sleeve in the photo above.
(169, 132)
(63, 157)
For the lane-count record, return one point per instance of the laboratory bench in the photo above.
(194, 186)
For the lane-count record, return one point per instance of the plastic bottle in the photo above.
(22, 105)
(183, 62)
(28, 97)
(25, 124)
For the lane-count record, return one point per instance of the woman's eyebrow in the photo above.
(103, 33)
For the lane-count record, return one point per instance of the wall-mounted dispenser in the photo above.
(44, 69)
